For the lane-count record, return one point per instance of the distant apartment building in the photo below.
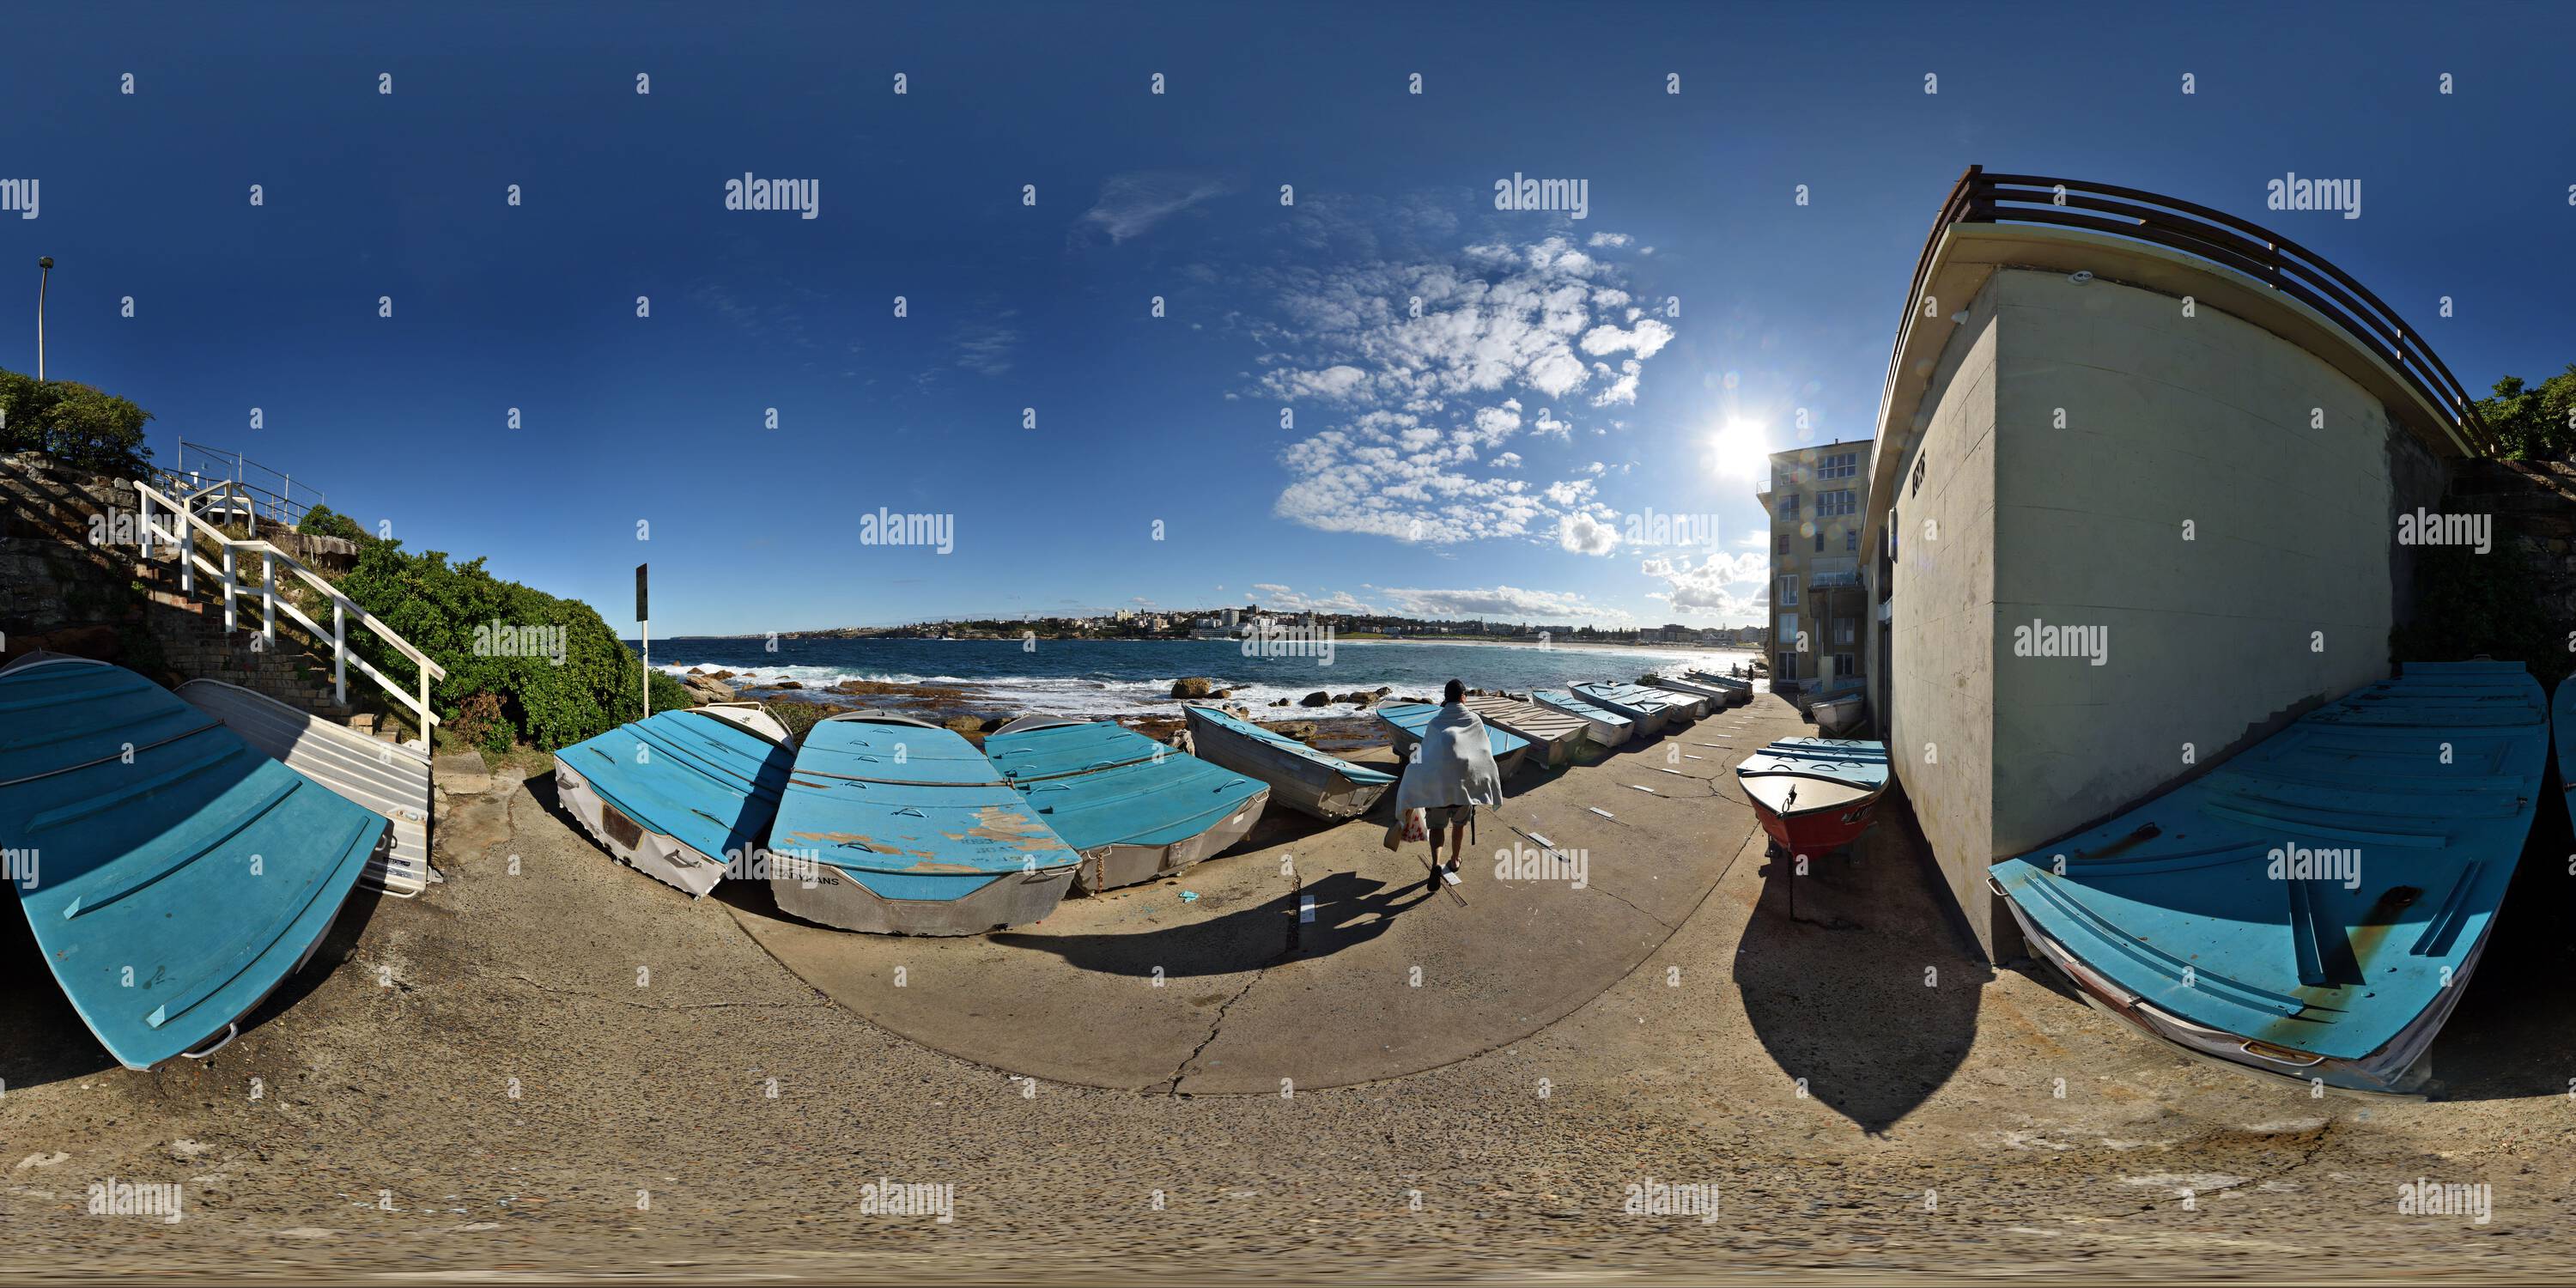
(1816, 496)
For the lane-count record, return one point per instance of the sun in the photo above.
(1740, 450)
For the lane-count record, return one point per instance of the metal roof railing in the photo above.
(279, 503)
(2221, 238)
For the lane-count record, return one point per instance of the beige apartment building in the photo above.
(1817, 497)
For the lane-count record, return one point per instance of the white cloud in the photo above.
(1610, 239)
(1621, 390)
(1501, 601)
(1712, 588)
(1648, 339)
(1430, 399)
(1277, 598)
(1582, 534)
(1132, 203)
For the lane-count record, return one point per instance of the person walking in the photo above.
(1450, 773)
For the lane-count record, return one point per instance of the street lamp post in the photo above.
(45, 267)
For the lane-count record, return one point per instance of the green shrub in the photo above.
(73, 424)
(2533, 421)
(450, 612)
(323, 521)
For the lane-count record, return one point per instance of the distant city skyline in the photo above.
(1287, 329)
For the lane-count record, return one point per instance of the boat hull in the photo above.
(1509, 749)
(1838, 716)
(2235, 916)
(1133, 808)
(950, 906)
(1650, 718)
(1300, 777)
(1606, 728)
(184, 874)
(1552, 735)
(1818, 831)
(1815, 795)
(678, 795)
(914, 831)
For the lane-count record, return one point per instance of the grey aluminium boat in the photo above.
(1608, 728)
(1552, 735)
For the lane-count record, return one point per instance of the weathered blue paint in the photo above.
(180, 875)
(1566, 701)
(2197, 904)
(709, 784)
(1652, 709)
(1409, 718)
(1098, 783)
(1842, 760)
(1355, 772)
(909, 811)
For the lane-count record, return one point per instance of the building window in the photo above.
(1787, 594)
(1820, 542)
(1784, 546)
(1918, 477)
(1843, 665)
(1843, 501)
(1851, 541)
(1846, 631)
(1786, 668)
(1840, 465)
(1789, 506)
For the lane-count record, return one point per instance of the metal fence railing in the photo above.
(268, 493)
(2213, 235)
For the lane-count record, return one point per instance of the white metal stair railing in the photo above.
(179, 532)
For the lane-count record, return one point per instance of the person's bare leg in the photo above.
(1457, 842)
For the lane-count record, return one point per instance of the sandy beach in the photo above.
(554, 1066)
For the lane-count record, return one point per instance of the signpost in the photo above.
(644, 634)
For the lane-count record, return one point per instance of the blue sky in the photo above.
(1419, 474)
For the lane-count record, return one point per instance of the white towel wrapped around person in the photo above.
(1452, 765)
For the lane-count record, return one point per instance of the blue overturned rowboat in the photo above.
(174, 876)
(683, 797)
(2312, 908)
(1716, 698)
(1407, 719)
(913, 832)
(1609, 728)
(1300, 777)
(1652, 709)
(1132, 807)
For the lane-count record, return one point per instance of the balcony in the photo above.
(1833, 572)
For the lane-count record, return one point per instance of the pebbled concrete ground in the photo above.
(569, 1070)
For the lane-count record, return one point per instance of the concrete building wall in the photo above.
(2280, 597)
(1942, 643)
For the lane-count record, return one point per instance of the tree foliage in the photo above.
(477, 626)
(73, 424)
(2537, 421)
(323, 521)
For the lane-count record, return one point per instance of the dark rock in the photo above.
(1318, 698)
(787, 684)
(1279, 702)
(1196, 686)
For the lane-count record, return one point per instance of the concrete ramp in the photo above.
(384, 777)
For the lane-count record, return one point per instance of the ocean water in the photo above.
(1124, 677)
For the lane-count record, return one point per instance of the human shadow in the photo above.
(1349, 910)
(1855, 981)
